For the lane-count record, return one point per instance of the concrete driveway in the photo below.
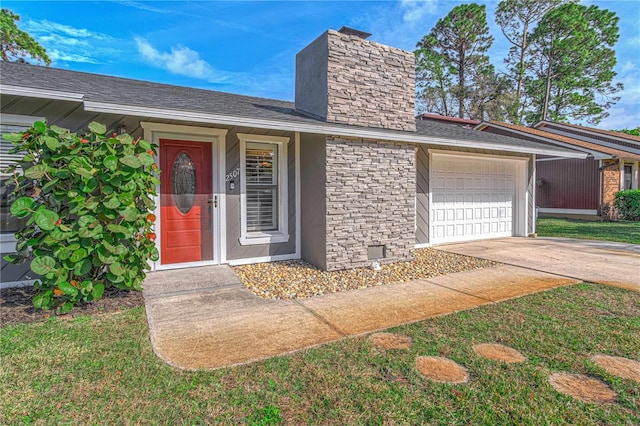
(616, 264)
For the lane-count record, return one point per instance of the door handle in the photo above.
(213, 201)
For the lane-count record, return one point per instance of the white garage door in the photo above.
(472, 198)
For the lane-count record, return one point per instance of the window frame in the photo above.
(281, 233)
(627, 167)
(8, 238)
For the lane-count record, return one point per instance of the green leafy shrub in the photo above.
(628, 204)
(87, 200)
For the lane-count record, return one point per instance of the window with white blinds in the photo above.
(263, 168)
(10, 124)
(261, 174)
(7, 159)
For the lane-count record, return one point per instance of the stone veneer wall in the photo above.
(369, 84)
(370, 196)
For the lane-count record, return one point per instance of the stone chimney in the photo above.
(343, 78)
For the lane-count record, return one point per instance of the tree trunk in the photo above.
(461, 65)
(523, 49)
(547, 94)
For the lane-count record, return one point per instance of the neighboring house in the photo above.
(464, 122)
(341, 177)
(578, 187)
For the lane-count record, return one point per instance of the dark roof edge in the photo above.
(320, 128)
(598, 156)
(592, 130)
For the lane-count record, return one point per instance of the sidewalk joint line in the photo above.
(460, 291)
(321, 318)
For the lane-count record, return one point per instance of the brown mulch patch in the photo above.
(618, 366)
(16, 306)
(442, 370)
(583, 388)
(295, 279)
(388, 341)
(498, 352)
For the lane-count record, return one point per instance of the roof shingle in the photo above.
(137, 93)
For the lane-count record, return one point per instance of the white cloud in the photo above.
(621, 117)
(629, 76)
(65, 43)
(57, 55)
(181, 61)
(48, 27)
(626, 113)
(142, 6)
(414, 11)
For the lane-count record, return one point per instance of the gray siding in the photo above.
(422, 186)
(313, 199)
(71, 115)
(234, 249)
(16, 273)
(422, 195)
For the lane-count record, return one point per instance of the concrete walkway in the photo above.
(205, 318)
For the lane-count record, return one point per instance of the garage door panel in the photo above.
(472, 199)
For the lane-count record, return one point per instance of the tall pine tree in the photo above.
(572, 65)
(516, 19)
(452, 58)
(15, 44)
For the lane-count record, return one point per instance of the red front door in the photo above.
(186, 201)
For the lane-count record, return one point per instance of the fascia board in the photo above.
(592, 133)
(596, 154)
(319, 128)
(30, 92)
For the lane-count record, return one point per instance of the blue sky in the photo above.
(249, 47)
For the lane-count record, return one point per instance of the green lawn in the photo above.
(101, 370)
(624, 232)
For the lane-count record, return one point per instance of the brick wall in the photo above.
(370, 190)
(610, 185)
(370, 84)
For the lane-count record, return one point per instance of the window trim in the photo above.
(7, 238)
(281, 234)
(625, 167)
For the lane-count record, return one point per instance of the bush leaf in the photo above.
(98, 128)
(51, 142)
(22, 206)
(67, 288)
(98, 291)
(43, 265)
(35, 172)
(131, 161)
(46, 219)
(110, 162)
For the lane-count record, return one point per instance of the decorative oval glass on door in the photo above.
(184, 183)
